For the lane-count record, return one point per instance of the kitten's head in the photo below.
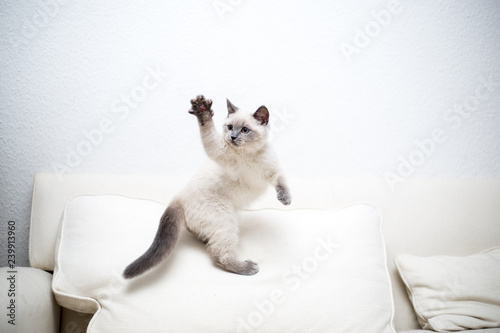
(244, 130)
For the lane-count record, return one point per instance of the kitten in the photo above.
(241, 167)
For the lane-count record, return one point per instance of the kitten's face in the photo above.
(244, 130)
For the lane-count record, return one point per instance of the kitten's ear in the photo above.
(262, 115)
(230, 107)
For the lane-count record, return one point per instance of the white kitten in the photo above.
(242, 166)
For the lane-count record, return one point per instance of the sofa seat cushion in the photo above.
(320, 271)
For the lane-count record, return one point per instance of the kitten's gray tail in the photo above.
(163, 243)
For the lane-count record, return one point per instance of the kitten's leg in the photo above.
(220, 233)
(221, 248)
(282, 191)
(212, 141)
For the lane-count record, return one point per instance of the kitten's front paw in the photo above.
(284, 196)
(202, 109)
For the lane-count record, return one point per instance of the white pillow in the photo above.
(451, 293)
(320, 271)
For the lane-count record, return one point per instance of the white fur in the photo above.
(233, 178)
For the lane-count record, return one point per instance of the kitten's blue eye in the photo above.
(230, 127)
(244, 130)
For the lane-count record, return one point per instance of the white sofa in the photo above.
(422, 217)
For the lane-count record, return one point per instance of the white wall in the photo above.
(357, 88)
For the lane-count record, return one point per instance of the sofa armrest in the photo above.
(27, 301)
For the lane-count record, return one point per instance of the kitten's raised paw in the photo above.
(202, 109)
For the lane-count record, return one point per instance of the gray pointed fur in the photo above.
(231, 108)
(163, 243)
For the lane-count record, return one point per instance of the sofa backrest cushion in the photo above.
(52, 191)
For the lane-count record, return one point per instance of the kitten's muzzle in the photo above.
(233, 140)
